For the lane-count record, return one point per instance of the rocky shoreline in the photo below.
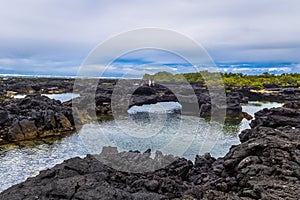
(271, 94)
(33, 117)
(37, 116)
(266, 165)
(198, 96)
(36, 122)
(10, 86)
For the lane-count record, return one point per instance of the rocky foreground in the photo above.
(266, 165)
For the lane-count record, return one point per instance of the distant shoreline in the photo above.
(49, 76)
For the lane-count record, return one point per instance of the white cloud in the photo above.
(232, 30)
(297, 67)
(257, 70)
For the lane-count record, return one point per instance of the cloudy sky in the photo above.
(54, 36)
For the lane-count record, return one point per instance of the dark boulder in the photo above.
(292, 104)
(28, 129)
(15, 132)
(152, 185)
(144, 90)
(265, 164)
(3, 116)
(33, 117)
(276, 117)
(232, 109)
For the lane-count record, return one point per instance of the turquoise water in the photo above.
(159, 130)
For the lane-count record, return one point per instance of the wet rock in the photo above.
(63, 122)
(28, 129)
(106, 151)
(231, 111)
(152, 185)
(144, 90)
(3, 116)
(15, 133)
(247, 116)
(49, 119)
(292, 104)
(276, 117)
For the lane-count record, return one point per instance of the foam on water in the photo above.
(161, 107)
(61, 97)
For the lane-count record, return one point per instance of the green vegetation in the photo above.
(230, 80)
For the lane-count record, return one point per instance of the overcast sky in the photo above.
(54, 36)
